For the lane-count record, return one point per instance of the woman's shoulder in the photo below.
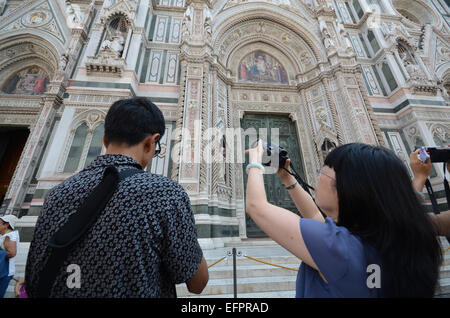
(342, 231)
(339, 238)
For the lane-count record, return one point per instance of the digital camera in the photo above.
(272, 151)
(439, 154)
(436, 154)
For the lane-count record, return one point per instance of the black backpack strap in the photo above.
(123, 174)
(78, 224)
(432, 196)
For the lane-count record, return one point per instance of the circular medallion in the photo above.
(36, 18)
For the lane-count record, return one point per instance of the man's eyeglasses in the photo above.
(157, 150)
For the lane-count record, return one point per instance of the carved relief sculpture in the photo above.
(74, 17)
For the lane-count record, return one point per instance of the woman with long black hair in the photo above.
(375, 241)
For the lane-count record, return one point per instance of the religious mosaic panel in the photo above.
(260, 67)
(29, 81)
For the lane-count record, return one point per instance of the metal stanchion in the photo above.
(234, 273)
(234, 253)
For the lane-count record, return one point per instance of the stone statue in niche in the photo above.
(117, 44)
(74, 19)
(207, 25)
(347, 45)
(114, 41)
(106, 45)
(414, 71)
(327, 41)
(186, 23)
(63, 62)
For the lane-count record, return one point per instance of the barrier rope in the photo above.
(218, 261)
(267, 263)
(260, 261)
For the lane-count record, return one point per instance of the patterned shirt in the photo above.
(143, 243)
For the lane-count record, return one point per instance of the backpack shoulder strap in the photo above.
(126, 173)
(78, 224)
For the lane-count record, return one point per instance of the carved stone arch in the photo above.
(35, 35)
(127, 9)
(25, 51)
(405, 44)
(31, 45)
(294, 50)
(416, 13)
(119, 17)
(293, 23)
(443, 72)
(92, 118)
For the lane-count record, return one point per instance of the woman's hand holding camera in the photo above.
(420, 170)
(255, 154)
(287, 178)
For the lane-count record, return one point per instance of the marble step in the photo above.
(244, 286)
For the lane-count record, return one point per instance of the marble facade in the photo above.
(373, 71)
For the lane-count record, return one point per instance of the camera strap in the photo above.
(432, 196)
(300, 180)
(447, 188)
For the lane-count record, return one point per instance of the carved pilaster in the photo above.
(51, 102)
(336, 121)
(370, 111)
(177, 135)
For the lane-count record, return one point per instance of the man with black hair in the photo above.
(144, 241)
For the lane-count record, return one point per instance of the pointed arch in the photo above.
(290, 30)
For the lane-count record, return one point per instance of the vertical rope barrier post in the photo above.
(234, 273)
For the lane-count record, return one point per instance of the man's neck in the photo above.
(129, 152)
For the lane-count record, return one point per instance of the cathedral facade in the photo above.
(308, 74)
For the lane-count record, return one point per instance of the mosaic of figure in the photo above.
(260, 67)
(30, 81)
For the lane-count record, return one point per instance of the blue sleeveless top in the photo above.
(342, 259)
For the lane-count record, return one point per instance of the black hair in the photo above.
(377, 202)
(131, 120)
